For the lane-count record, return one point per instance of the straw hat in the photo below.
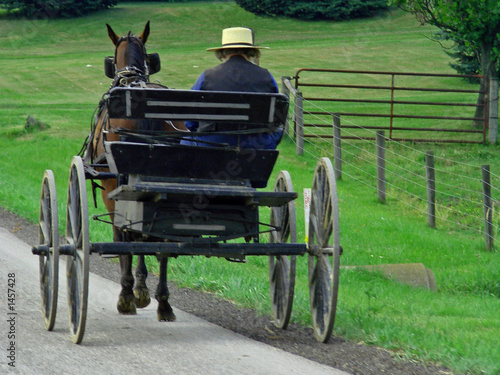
(237, 37)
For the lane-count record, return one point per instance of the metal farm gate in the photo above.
(423, 107)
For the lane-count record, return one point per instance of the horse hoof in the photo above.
(165, 312)
(126, 305)
(142, 298)
(166, 316)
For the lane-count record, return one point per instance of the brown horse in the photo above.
(131, 69)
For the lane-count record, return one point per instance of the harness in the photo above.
(134, 74)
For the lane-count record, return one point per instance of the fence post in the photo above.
(381, 166)
(286, 91)
(284, 87)
(337, 148)
(493, 109)
(488, 208)
(299, 120)
(431, 189)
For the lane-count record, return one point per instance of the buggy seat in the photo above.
(244, 112)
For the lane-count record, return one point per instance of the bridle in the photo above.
(136, 71)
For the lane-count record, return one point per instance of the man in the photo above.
(239, 71)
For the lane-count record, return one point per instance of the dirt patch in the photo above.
(349, 356)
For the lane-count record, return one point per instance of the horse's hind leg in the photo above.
(165, 312)
(141, 292)
(126, 299)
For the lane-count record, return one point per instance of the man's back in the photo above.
(238, 74)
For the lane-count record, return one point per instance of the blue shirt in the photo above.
(236, 75)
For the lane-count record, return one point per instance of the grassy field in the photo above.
(53, 70)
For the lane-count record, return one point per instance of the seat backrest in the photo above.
(260, 110)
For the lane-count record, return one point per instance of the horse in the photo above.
(131, 69)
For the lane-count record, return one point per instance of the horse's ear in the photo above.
(145, 34)
(112, 35)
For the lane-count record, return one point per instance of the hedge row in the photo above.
(336, 10)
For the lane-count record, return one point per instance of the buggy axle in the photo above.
(43, 250)
(208, 249)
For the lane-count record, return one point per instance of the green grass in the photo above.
(55, 73)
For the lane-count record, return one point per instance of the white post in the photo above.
(307, 209)
(299, 121)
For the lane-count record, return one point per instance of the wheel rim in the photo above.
(77, 235)
(282, 268)
(324, 250)
(49, 236)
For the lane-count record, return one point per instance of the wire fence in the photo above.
(458, 202)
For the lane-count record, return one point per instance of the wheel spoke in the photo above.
(79, 239)
(44, 281)
(73, 291)
(273, 236)
(313, 275)
(274, 270)
(71, 221)
(45, 220)
(284, 268)
(45, 231)
(285, 224)
(278, 295)
(313, 225)
(318, 296)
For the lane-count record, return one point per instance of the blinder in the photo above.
(154, 65)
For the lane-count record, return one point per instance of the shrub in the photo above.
(336, 10)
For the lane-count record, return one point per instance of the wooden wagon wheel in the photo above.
(282, 268)
(49, 261)
(77, 237)
(324, 250)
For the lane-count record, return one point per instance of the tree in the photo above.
(474, 25)
(56, 8)
(465, 60)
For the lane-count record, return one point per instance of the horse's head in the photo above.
(131, 59)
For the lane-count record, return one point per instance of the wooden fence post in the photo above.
(431, 189)
(493, 111)
(381, 166)
(299, 120)
(337, 148)
(488, 208)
